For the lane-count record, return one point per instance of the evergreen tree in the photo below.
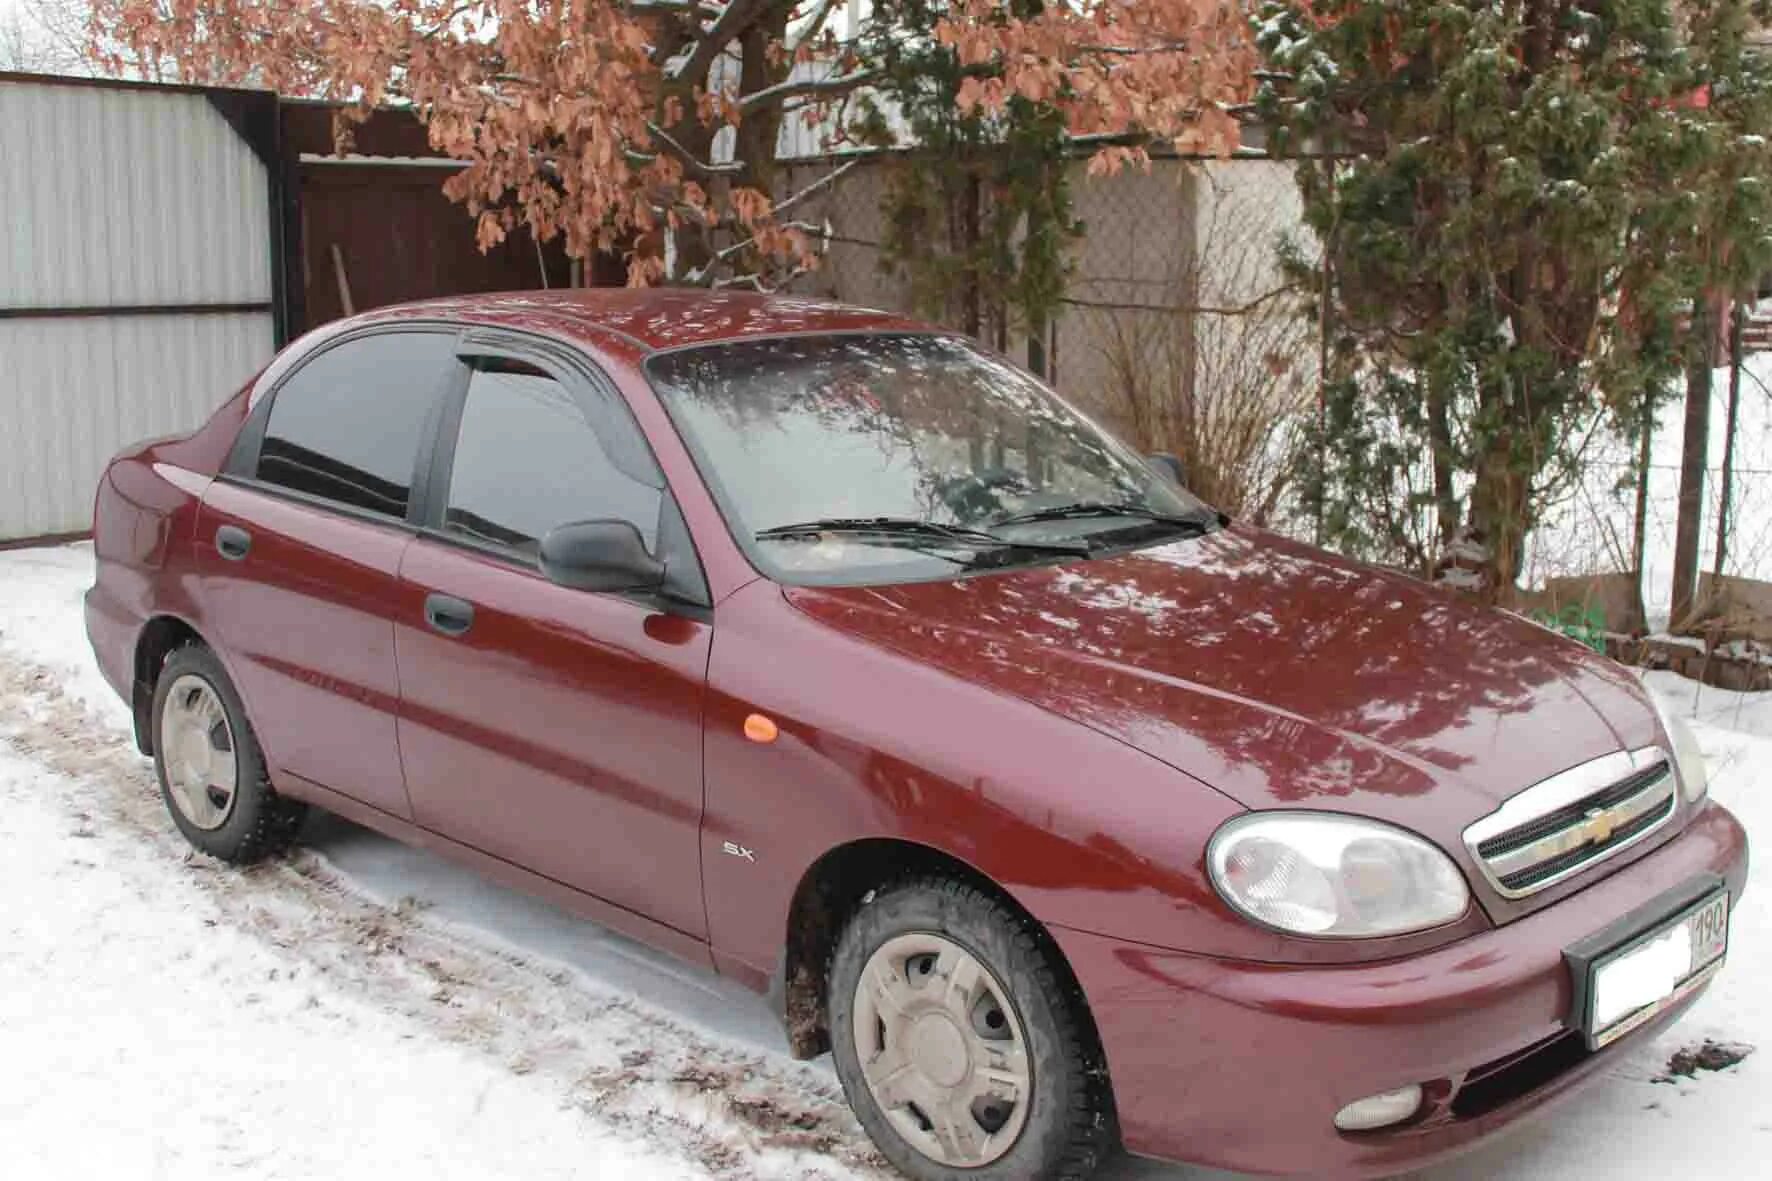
(1517, 200)
(977, 211)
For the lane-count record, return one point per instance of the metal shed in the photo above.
(136, 278)
(159, 243)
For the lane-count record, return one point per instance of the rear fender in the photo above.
(143, 520)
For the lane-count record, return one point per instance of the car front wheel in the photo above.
(959, 1042)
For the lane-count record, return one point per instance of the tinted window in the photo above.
(527, 459)
(346, 425)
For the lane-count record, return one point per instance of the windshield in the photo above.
(831, 456)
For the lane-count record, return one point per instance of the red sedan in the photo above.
(832, 653)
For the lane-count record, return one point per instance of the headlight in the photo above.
(1332, 876)
(1689, 762)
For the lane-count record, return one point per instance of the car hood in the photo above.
(1276, 673)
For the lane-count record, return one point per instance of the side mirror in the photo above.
(600, 556)
(1168, 466)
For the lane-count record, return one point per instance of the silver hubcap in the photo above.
(197, 750)
(941, 1049)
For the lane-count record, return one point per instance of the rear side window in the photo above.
(347, 425)
(527, 459)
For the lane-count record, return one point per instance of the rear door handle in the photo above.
(232, 542)
(448, 614)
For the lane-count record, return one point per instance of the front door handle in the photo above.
(448, 614)
(232, 542)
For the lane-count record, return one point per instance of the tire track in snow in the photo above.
(730, 1110)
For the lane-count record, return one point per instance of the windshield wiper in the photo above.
(910, 529)
(1099, 508)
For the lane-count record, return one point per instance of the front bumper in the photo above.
(1243, 1065)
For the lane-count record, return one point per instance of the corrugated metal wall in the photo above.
(76, 391)
(135, 283)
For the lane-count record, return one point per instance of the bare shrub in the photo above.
(1213, 359)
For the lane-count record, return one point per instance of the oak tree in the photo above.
(651, 127)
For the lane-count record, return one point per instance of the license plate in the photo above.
(1656, 969)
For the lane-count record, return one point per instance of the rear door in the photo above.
(299, 547)
(554, 728)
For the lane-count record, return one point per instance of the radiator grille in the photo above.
(1573, 820)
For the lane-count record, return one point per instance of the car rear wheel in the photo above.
(959, 1044)
(211, 771)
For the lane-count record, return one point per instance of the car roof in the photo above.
(651, 319)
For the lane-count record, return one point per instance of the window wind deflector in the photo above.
(911, 529)
(1092, 508)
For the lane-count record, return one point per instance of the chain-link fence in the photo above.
(1591, 529)
(851, 210)
(1193, 340)
(1177, 324)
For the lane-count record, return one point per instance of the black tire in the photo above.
(259, 822)
(1070, 1126)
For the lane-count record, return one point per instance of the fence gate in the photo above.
(136, 276)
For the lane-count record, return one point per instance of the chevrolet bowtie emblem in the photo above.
(1598, 826)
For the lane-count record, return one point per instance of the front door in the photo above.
(553, 728)
(299, 547)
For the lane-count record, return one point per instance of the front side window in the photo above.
(347, 425)
(527, 459)
(862, 458)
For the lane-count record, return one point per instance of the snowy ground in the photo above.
(366, 1010)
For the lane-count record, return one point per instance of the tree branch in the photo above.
(1133, 50)
(824, 182)
(715, 38)
(805, 86)
(1242, 309)
(686, 7)
(814, 25)
(706, 274)
(689, 159)
(756, 282)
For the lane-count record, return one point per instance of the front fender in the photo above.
(1080, 829)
